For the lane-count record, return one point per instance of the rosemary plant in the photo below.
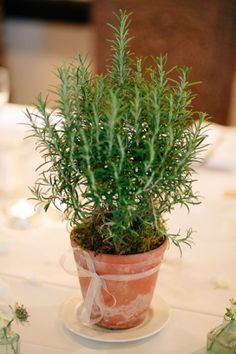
(120, 153)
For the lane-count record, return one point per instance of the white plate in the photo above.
(157, 317)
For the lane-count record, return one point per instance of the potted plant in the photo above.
(118, 151)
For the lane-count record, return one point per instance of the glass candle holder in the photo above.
(9, 341)
(222, 339)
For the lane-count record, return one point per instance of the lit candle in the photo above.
(22, 209)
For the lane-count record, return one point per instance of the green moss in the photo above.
(137, 239)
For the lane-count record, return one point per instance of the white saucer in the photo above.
(155, 321)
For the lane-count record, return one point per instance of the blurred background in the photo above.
(39, 35)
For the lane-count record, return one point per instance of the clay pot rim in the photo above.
(125, 259)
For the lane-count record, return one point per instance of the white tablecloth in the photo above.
(197, 285)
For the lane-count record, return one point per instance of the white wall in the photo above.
(35, 48)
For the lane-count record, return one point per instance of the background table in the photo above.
(197, 285)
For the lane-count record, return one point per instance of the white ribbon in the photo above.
(94, 296)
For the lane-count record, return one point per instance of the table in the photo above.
(197, 285)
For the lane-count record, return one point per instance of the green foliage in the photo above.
(119, 154)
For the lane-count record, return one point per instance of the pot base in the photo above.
(127, 316)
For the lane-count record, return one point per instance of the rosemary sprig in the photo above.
(120, 154)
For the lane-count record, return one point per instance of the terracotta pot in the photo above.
(125, 300)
